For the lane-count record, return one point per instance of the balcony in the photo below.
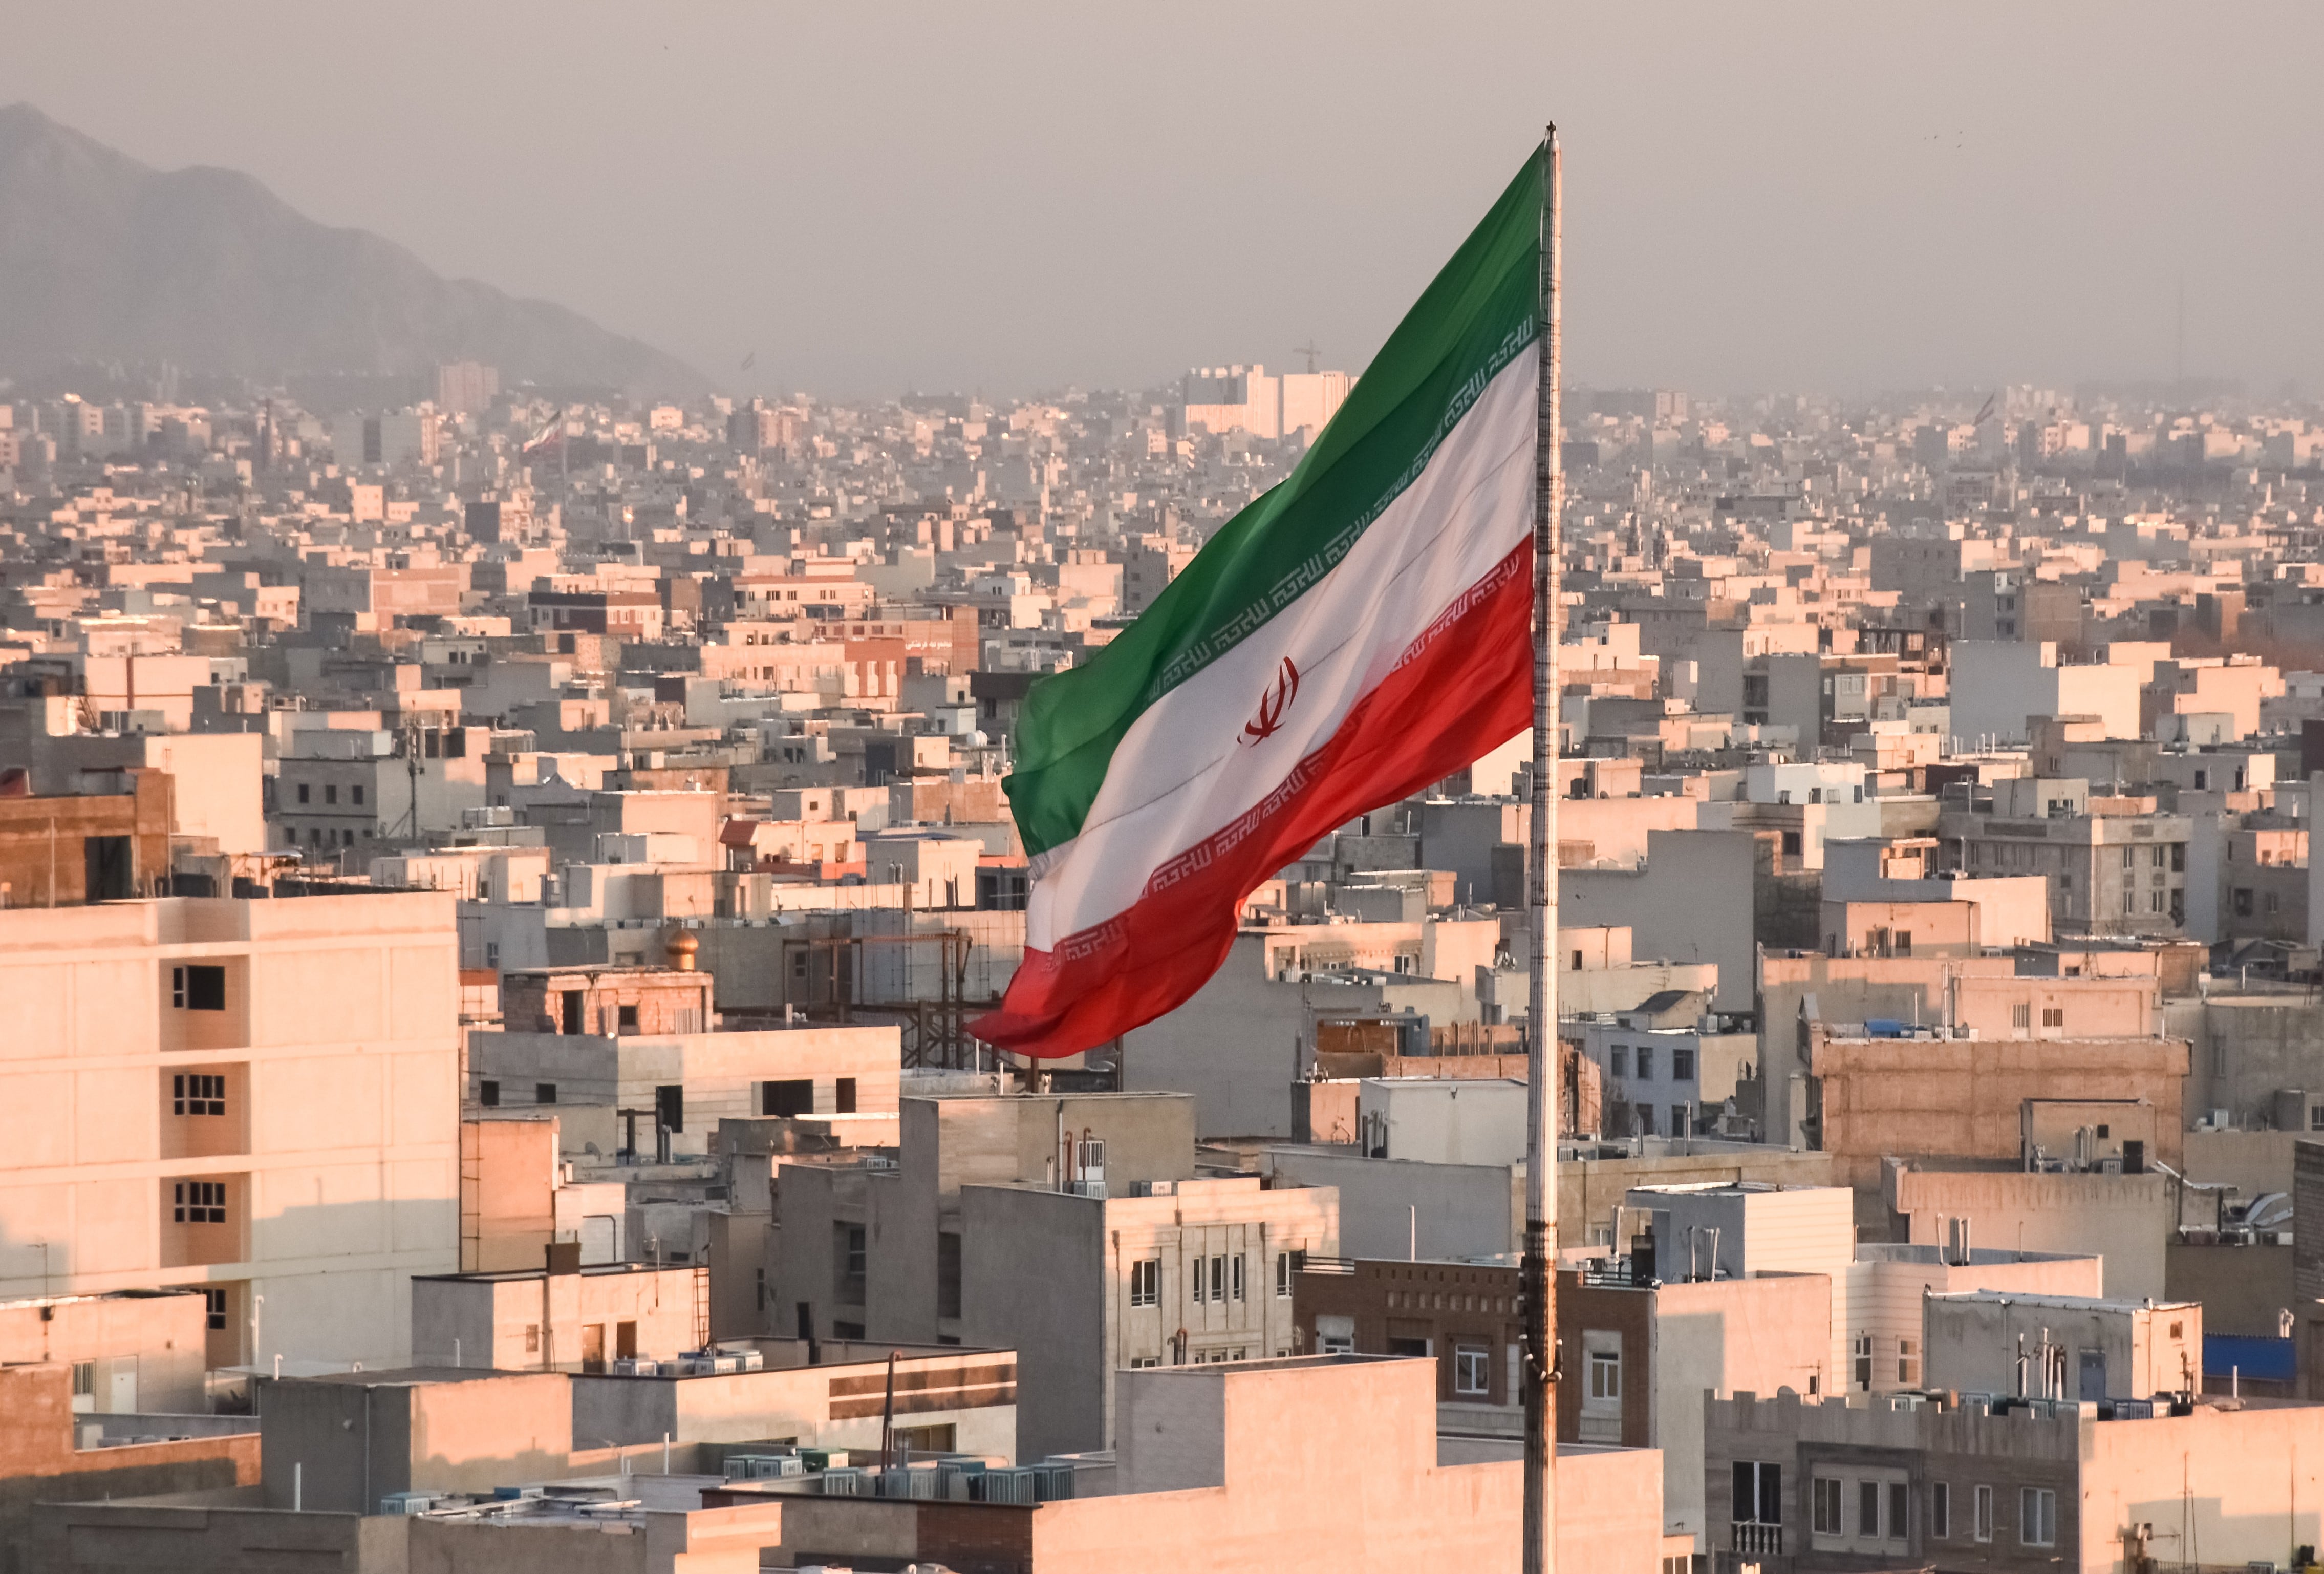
(1750, 1539)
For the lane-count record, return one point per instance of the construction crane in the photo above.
(1309, 351)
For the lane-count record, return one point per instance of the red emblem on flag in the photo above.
(1271, 707)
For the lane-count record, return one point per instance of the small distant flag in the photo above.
(548, 436)
(749, 360)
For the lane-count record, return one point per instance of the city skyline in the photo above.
(1041, 201)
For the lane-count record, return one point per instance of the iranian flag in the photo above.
(1361, 631)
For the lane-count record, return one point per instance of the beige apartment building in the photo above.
(258, 1099)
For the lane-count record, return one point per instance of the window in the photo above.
(1139, 1363)
(1577, 961)
(1645, 1117)
(2154, 901)
(2130, 901)
(488, 1094)
(1900, 1511)
(330, 792)
(1682, 1065)
(1864, 1362)
(1758, 1493)
(532, 1338)
(1145, 1282)
(200, 1202)
(1984, 1510)
(1682, 1119)
(83, 1380)
(197, 1093)
(791, 1097)
(2021, 1016)
(198, 988)
(1646, 1063)
(1286, 1263)
(2053, 1016)
(1472, 1369)
(1908, 1361)
(1235, 1275)
(2157, 859)
(626, 1017)
(1826, 1506)
(1606, 1374)
(2037, 1516)
(214, 1307)
(843, 1096)
(847, 1263)
(1218, 1278)
(1867, 1509)
(2243, 902)
(1940, 1511)
(947, 1274)
(2130, 857)
(302, 792)
(1619, 1058)
(357, 791)
(544, 1093)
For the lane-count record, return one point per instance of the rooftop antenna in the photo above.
(1310, 351)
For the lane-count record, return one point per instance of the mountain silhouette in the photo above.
(105, 259)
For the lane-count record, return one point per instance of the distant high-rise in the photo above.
(465, 387)
(1221, 399)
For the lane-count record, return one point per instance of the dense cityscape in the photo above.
(1380, 956)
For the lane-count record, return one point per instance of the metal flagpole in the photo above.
(1540, 1280)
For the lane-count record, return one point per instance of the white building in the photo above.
(256, 1098)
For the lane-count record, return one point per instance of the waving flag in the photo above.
(1359, 631)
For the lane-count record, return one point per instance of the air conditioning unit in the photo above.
(407, 1503)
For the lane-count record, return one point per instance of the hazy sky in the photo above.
(1011, 196)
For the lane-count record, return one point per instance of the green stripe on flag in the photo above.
(1475, 316)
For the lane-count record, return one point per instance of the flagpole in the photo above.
(1540, 1272)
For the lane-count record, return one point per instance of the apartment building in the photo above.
(258, 1099)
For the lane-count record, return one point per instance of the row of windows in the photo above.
(331, 793)
(1908, 1357)
(1212, 1279)
(1681, 1063)
(1642, 1121)
(1883, 1510)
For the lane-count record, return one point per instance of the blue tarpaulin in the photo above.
(2267, 1360)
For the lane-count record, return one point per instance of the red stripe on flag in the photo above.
(1463, 687)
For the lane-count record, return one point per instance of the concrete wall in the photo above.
(1447, 1122)
(147, 1350)
(1888, 1282)
(1463, 1209)
(1055, 1271)
(1758, 1334)
(534, 1322)
(1038, 1280)
(2123, 1220)
(1804, 1230)
(40, 1462)
(830, 1407)
(2242, 1289)
(1962, 1096)
(1238, 1043)
(1974, 1342)
(359, 1437)
(1287, 1501)
(1693, 902)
